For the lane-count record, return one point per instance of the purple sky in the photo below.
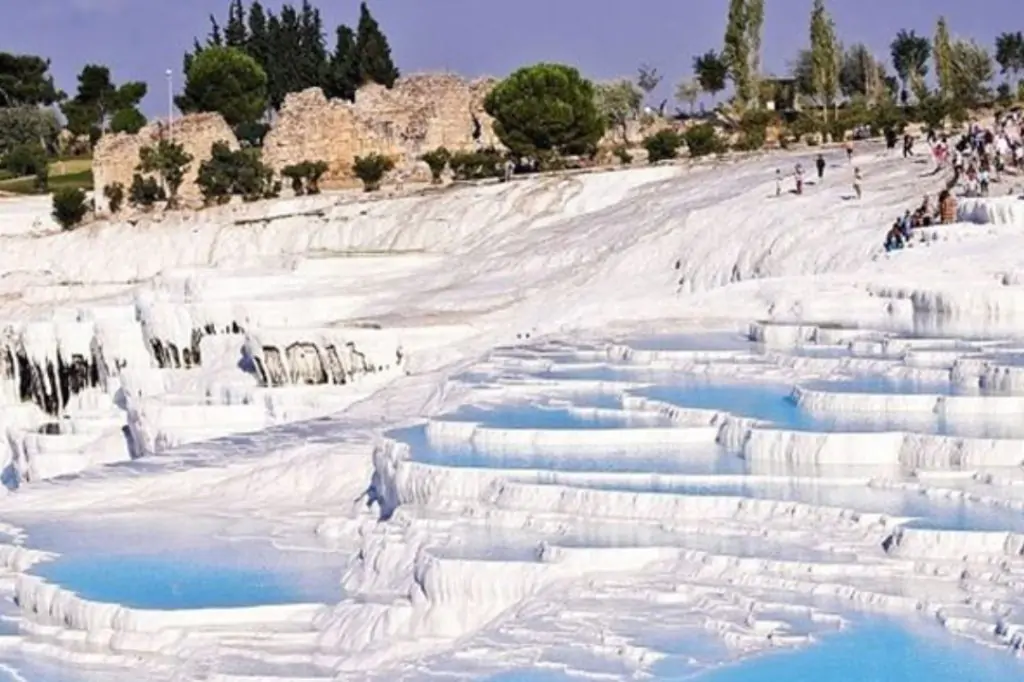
(140, 39)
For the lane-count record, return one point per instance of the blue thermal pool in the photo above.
(175, 568)
(872, 651)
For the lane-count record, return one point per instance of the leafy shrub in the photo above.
(437, 160)
(69, 207)
(170, 161)
(371, 169)
(114, 194)
(751, 141)
(662, 145)
(145, 191)
(26, 159)
(305, 176)
(623, 155)
(251, 134)
(703, 140)
(230, 173)
(478, 165)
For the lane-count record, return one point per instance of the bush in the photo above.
(478, 165)
(114, 194)
(751, 141)
(371, 169)
(623, 155)
(239, 172)
(662, 145)
(145, 191)
(69, 208)
(437, 160)
(546, 109)
(702, 140)
(170, 161)
(305, 176)
(26, 159)
(251, 134)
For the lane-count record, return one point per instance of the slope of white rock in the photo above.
(263, 366)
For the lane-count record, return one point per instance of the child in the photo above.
(856, 181)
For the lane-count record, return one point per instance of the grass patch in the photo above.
(70, 166)
(80, 180)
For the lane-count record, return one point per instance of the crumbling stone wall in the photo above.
(116, 156)
(420, 113)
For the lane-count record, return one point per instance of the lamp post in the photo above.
(170, 104)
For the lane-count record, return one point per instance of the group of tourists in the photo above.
(820, 165)
(978, 159)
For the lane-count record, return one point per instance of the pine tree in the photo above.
(942, 54)
(373, 52)
(737, 51)
(235, 33)
(215, 37)
(343, 72)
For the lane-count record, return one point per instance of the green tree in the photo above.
(736, 52)
(688, 91)
(127, 121)
(619, 102)
(25, 80)
(373, 51)
(1010, 53)
(860, 74)
(972, 71)
(170, 162)
(313, 60)
(662, 145)
(910, 53)
(437, 160)
(825, 56)
(99, 101)
(114, 194)
(711, 71)
(28, 125)
(227, 81)
(343, 70)
(545, 110)
(647, 79)
(755, 33)
(236, 32)
(942, 55)
(230, 173)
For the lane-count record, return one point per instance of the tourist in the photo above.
(820, 164)
(778, 182)
(849, 150)
(856, 182)
(798, 175)
(908, 145)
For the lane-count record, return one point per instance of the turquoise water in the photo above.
(875, 652)
(161, 582)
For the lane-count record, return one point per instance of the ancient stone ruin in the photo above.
(116, 156)
(420, 113)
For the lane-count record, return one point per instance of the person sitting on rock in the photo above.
(894, 239)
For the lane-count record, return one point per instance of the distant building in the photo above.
(779, 94)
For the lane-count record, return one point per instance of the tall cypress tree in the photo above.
(942, 53)
(343, 72)
(235, 32)
(313, 53)
(374, 53)
(737, 51)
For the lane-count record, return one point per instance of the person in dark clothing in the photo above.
(894, 239)
(820, 165)
(908, 145)
(890, 139)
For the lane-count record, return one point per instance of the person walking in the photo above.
(820, 164)
(857, 178)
